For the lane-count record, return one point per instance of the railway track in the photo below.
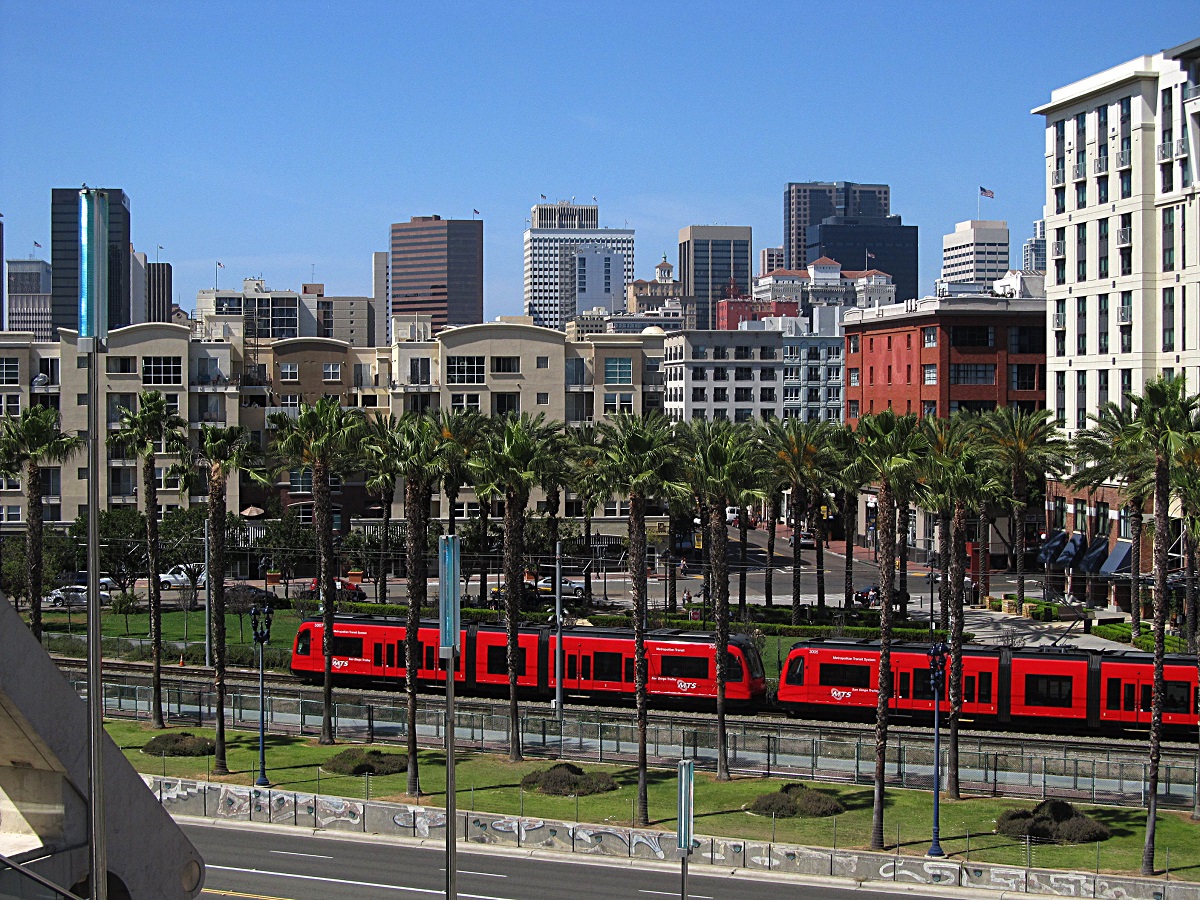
(246, 680)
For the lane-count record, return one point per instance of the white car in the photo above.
(731, 514)
(807, 540)
(177, 577)
(73, 595)
(569, 587)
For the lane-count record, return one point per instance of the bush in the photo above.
(1052, 820)
(777, 804)
(813, 804)
(566, 779)
(182, 743)
(357, 761)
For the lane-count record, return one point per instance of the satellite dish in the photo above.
(40, 380)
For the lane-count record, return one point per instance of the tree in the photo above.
(719, 460)
(141, 433)
(509, 467)
(286, 543)
(583, 457)
(847, 444)
(28, 443)
(1164, 421)
(222, 452)
(325, 439)
(1027, 447)
(384, 463)
(892, 448)
(461, 432)
(640, 461)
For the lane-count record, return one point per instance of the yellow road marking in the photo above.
(240, 894)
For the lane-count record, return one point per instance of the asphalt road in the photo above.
(274, 863)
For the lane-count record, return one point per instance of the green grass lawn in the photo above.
(490, 783)
(177, 626)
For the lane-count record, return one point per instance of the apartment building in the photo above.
(1124, 259)
(734, 375)
(976, 251)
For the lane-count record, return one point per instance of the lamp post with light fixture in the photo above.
(260, 625)
(937, 675)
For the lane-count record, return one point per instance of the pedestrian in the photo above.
(687, 597)
(683, 568)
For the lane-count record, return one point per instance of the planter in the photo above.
(995, 604)
(355, 576)
(1029, 610)
(1010, 606)
(273, 577)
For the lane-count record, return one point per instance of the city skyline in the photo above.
(219, 166)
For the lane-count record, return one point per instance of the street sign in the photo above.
(450, 586)
(684, 813)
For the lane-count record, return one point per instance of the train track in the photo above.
(200, 679)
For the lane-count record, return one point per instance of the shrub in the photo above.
(182, 743)
(813, 804)
(1052, 820)
(359, 761)
(776, 804)
(1055, 810)
(1083, 830)
(567, 779)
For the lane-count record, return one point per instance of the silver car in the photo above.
(73, 596)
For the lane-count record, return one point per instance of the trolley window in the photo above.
(1175, 697)
(1130, 698)
(844, 675)
(401, 654)
(608, 666)
(497, 660)
(905, 686)
(985, 687)
(378, 648)
(348, 646)
(692, 667)
(795, 671)
(1147, 698)
(585, 668)
(922, 685)
(1113, 698)
(430, 662)
(754, 658)
(572, 668)
(391, 656)
(1048, 690)
(304, 643)
(629, 675)
(736, 672)
(968, 689)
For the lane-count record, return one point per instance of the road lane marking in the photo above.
(293, 853)
(440, 892)
(469, 872)
(673, 893)
(241, 894)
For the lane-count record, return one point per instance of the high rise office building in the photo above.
(437, 269)
(29, 298)
(770, 259)
(380, 292)
(64, 259)
(159, 291)
(552, 243)
(714, 263)
(808, 203)
(599, 273)
(882, 243)
(1033, 251)
(976, 251)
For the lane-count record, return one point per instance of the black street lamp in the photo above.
(937, 674)
(260, 625)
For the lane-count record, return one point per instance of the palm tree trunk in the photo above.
(984, 531)
(772, 516)
(514, 586)
(451, 503)
(1162, 540)
(33, 546)
(850, 518)
(819, 541)
(1135, 568)
(1020, 500)
(719, 567)
(796, 561)
(945, 555)
(637, 563)
(742, 562)
(672, 580)
(216, 576)
(416, 510)
(958, 565)
(323, 523)
(388, 496)
(886, 519)
(150, 491)
(1189, 582)
(553, 501)
(587, 536)
(902, 518)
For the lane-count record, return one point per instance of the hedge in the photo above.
(917, 635)
(1122, 633)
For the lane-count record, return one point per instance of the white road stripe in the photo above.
(291, 853)
(672, 894)
(469, 872)
(365, 884)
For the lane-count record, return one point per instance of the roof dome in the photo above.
(652, 329)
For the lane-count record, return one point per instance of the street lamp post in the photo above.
(937, 674)
(260, 625)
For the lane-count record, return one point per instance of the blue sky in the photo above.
(278, 137)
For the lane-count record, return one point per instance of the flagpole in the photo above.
(978, 200)
(215, 264)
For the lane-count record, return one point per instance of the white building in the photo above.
(977, 250)
(1123, 260)
(769, 259)
(734, 375)
(1033, 251)
(29, 298)
(552, 244)
(599, 278)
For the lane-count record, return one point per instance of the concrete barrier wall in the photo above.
(252, 804)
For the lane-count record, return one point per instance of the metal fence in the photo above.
(1106, 776)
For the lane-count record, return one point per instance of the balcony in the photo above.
(1058, 249)
(1124, 237)
(1058, 178)
(269, 411)
(208, 417)
(1124, 315)
(1080, 171)
(1060, 321)
(1124, 159)
(1181, 148)
(1166, 151)
(204, 381)
(1191, 92)
(1101, 164)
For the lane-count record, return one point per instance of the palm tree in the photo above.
(850, 480)
(383, 459)
(324, 438)
(1028, 447)
(511, 466)
(583, 455)
(803, 456)
(892, 448)
(640, 461)
(461, 431)
(1164, 421)
(720, 460)
(30, 441)
(220, 453)
(142, 433)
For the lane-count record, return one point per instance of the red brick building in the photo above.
(731, 312)
(938, 355)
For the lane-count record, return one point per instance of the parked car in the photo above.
(731, 515)
(80, 580)
(346, 590)
(967, 582)
(178, 577)
(569, 587)
(807, 540)
(73, 595)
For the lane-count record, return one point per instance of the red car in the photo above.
(342, 586)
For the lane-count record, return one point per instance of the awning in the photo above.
(1118, 560)
(1094, 558)
(1071, 552)
(1052, 547)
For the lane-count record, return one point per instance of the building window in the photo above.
(1168, 238)
(1103, 520)
(1060, 398)
(618, 370)
(167, 479)
(720, 373)
(289, 371)
(720, 353)
(852, 343)
(576, 371)
(618, 403)
(1101, 388)
(720, 395)
(331, 371)
(929, 336)
(1060, 513)
(699, 373)
(852, 409)
(1102, 189)
(1168, 319)
(506, 365)
(973, 336)
(1081, 195)
(1125, 179)
(162, 370)
(1124, 523)
(543, 398)
(1081, 252)
(743, 395)
(12, 514)
(420, 370)
(300, 481)
(1081, 326)
(543, 362)
(118, 365)
(929, 373)
(929, 409)
(12, 404)
(289, 401)
(10, 372)
(1026, 339)
(1081, 516)
(464, 370)
(1102, 323)
(1081, 399)
(699, 395)
(1022, 377)
(972, 373)
(832, 395)
(464, 402)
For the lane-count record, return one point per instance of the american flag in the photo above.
(36, 244)
(475, 211)
(220, 265)
(984, 192)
